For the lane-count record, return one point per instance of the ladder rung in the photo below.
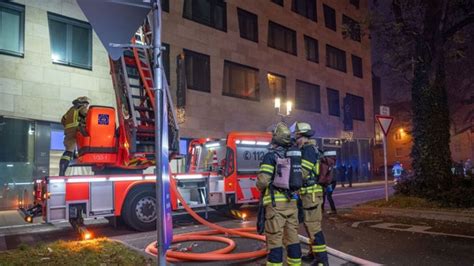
(136, 86)
(139, 97)
(144, 142)
(143, 119)
(141, 108)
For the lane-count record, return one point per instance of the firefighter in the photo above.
(72, 121)
(281, 213)
(311, 194)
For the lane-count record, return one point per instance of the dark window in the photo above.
(333, 102)
(71, 41)
(306, 8)
(351, 28)
(166, 61)
(307, 97)
(165, 5)
(357, 107)
(357, 66)
(241, 81)
(212, 13)
(355, 3)
(281, 38)
(12, 28)
(198, 71)
(335, 58)
(248, 25)
(277, 85)
(330, 17)
(278, 2)
(311, 48)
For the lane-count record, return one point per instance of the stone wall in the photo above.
(35, 88)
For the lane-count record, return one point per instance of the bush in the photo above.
(459, 195)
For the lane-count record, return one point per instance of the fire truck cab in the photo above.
(223, 171)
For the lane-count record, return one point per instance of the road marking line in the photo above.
(356, 224)
(357, 192)
(415, 229)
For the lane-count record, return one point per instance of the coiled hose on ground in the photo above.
(222, 254)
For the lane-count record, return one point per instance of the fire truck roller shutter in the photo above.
(139, 208)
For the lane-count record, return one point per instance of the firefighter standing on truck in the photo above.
(311, 194)
(281, 213)
(72, 121)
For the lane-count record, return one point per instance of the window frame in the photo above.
(318, 94)
(357, 59)
(342, 69)
(294, 8)
(257, 87)
(334, 92)
(188, 52)
(9, 6)
(352, 98)
(69, 23)
(288, 30)
(212, 5)
(327, 22)
(354, 28)
(274, 95)
(309, 39)
(244, 14)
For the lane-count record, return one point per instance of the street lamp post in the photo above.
(289, 108)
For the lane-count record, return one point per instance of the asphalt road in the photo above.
(365, 240)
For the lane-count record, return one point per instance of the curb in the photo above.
(141, 252)
(341, 255)
(462, 217)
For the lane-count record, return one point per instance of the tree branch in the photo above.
(458, 26)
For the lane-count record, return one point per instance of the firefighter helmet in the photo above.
(304, 129)
(81, 100)
(281, 135)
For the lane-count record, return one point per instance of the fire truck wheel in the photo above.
(139, 210)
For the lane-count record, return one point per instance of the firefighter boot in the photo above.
(308, 257)
(64, 162)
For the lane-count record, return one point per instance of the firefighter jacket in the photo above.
(265, 176)
(74, 118)
(310, 168)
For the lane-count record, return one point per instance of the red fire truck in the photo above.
(119, 145)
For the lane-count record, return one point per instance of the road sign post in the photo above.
(385, 122)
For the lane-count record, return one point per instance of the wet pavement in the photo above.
(368, 237)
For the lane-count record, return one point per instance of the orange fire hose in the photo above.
(222, 254)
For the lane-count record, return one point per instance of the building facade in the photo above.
(239, 56)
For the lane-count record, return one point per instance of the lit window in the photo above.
(277, 85)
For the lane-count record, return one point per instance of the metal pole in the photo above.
(161, 259)
(385, 165)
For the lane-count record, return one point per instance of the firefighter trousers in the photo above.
(312, 210)
(281, 229)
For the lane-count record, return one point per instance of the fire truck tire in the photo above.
(139, 210)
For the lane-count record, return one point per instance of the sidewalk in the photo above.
(440, 215)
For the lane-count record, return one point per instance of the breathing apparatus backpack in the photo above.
(288, 175)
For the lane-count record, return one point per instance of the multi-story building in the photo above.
(239, 56)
